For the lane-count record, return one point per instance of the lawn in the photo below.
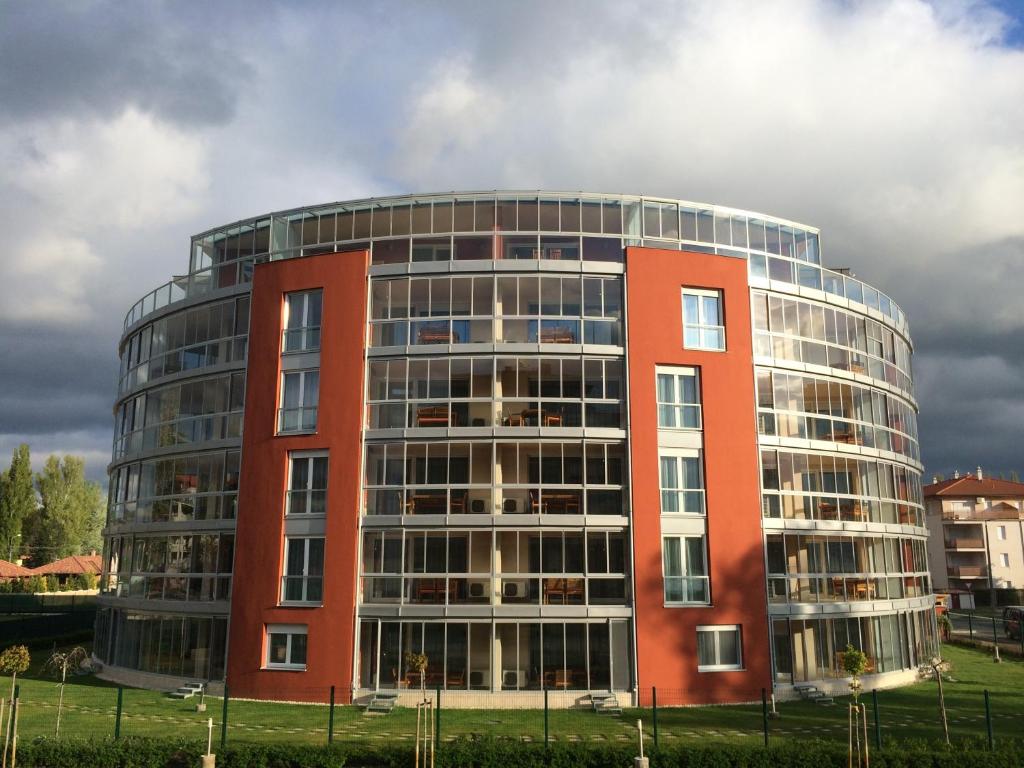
(909, 712)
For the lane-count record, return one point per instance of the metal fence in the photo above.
(46, 602)
(92, 709)
(987, 631)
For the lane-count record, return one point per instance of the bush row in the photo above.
(490, 753)
(49, 583)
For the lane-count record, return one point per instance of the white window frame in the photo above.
(702, 327)
(1001, 532)
(684, 574)
(677, 406)
(681, 491)
(718, 629)
(305, 575)
(1004, 560)
(289, 631)
(308, 335)
(309, 490)
(302, 406)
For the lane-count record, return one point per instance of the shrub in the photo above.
(495, 753)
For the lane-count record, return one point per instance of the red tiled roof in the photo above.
(12, 570)
(70, 565)
(970, 485)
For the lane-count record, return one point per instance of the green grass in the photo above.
(909, 712)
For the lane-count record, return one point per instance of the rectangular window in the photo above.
(1001, 532)
(307, 485)
(300, 394)
(678, 399)
(1004, 560)
(682, 484)
(686, 573)
(703, 323)
(302, 321)
(303, 580)
(286, 646)
(719, 648)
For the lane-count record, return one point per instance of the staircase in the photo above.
(605, 704)
(811, 693)
(381, 703)
(186, 691)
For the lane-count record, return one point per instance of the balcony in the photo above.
(967, 571)
(965, 543)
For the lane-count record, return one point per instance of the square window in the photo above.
(300, 395)
(685, 570)
(286, 646)
(307, 484)
(682, 483)
(678, 398)
(703, 320)
(719, 648)
(301, 321)
(303, 579)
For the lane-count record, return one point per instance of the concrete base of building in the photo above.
(497, 699)
(133, 678)
(841, 686)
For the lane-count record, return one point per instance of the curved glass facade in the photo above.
(495, 476)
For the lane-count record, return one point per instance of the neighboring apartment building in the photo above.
(553, 441)
(977, 533)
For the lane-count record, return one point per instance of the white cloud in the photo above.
(80, 187)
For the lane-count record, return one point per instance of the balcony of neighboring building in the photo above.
(967, 571)
(964, 540)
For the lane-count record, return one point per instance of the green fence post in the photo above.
(878, 727)
(330, 719)
(546, 718)
(970, 624)
(437, 718)
(764, 714)
(224, 719)
(120, 708)
(988, 722)
(654, 713)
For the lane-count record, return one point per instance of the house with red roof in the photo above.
(977, 534)
(12, 571)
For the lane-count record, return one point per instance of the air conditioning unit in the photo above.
(513, 678)
(514, 589)
(478, 588)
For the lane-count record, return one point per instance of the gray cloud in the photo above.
(893, 126)
(67, 58)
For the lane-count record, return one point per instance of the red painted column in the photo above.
(666, 637)
(259, 542)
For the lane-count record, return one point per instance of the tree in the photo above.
(855, 664)
(17, 501)
(59, 663)
(14, 661)
(938, 666)
(69, 514)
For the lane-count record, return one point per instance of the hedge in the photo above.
(492, 753)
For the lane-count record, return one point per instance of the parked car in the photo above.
(1012, 618)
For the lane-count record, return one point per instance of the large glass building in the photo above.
(552, 441)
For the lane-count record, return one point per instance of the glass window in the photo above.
(685, 570)
(286, 646)
(703, 323)
(307, 486)
(682, 484)
(678, 399)
(302, 321)
(718, 648)
(303, 580)
(300, 393)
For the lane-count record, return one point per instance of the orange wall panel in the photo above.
(666, 637)
(259, 543)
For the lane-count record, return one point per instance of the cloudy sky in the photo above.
(897, 127)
